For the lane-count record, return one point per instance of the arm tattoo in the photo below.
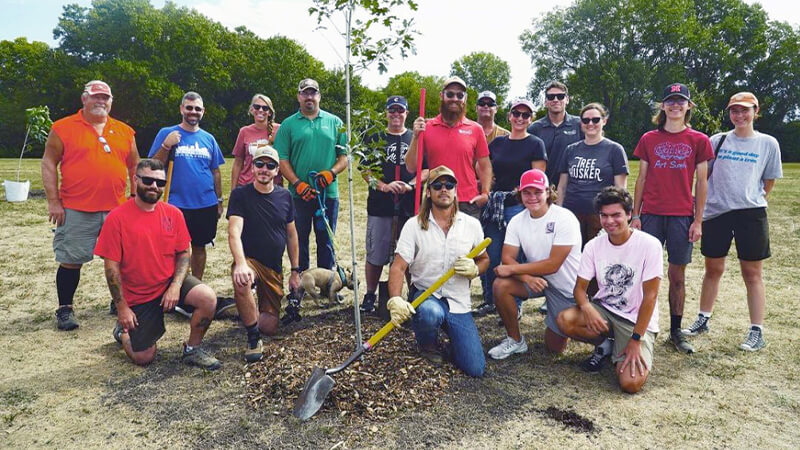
(182, 261)
(114, 285)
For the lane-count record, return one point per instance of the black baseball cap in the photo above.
(676, 89)
(397, 100)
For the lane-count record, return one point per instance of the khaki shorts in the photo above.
(269, 287)
(74, 241)
(623, 330)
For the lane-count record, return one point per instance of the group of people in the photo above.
(551, 194)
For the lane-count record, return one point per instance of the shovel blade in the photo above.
(314, 393)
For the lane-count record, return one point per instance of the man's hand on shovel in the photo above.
(400, 310)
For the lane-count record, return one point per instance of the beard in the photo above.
(191, 119)
(147, 194)
(452, 116)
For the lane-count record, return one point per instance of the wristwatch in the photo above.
(296, 269)
(636, 337)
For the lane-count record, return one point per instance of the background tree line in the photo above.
(618, 52)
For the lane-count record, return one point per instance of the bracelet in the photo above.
(635, 218)
(164, 147)
(295, 269)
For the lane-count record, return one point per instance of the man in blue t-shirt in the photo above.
(195, 186)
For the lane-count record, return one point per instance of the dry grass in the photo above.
(77, 389)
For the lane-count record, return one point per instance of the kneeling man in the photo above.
(628, 266)
(145, 246)
(429, 245)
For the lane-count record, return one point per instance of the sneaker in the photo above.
(117, 333)
(185, 310)
(508, 347)
(65, 318)
(112, 308)
(291, 314)
(484, 309)
(200, 358)
(368, 304)
(754, 341)
(223, 304)
(254, 352)
(595, 362)
(678, 339)
(519, 317)
(699, 326)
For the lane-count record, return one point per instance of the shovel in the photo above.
(320, 384)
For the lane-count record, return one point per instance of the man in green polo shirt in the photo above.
(311, 142)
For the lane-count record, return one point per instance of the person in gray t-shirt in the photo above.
(744, 172)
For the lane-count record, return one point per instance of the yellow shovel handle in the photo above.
(434, 287)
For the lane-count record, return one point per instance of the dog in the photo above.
(321, 283)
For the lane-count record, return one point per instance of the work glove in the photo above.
(466, 267)
(400, 310)
(305, 191)
(325, 178)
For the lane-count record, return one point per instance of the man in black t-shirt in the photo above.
(260, 226)
(391, 197)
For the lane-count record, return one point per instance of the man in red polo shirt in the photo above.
(454, 141)
(96, 156)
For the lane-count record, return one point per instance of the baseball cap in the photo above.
(266, 151)
(676, 89)
(522, 101)
(397, 100)
(487, 94)
(440, 171)
(743, 99)
(534, 178)
(308, 83)
(97, 87)
(454, 80)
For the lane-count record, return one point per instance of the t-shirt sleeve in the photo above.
(282, 142)
(341, 138)
(564, 163)
(619, 160)
(182, 237)
(653, 266)
(290, 209)
(641, 149)
(481, 148)
(162, 134)
(217, 159)
(568, 230)
(109, 242)
(705, 151)
(236, 203)
(587, 269)
(540, 151)
(773, 169)
(406, 243)
(512, 233)
(238, 147)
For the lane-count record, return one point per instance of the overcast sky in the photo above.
(449, 28)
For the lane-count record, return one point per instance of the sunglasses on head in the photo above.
(103, 141)
(193, 108)
(594, 120)
(147, 181)
(552, 97)
(490, 104)
(525, 115)
(271, 165)
(260, 107)
(438, 185)
(459, 95)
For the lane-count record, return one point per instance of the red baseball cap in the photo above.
(97, 87)
(534, 178)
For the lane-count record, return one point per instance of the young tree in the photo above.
(484, 71)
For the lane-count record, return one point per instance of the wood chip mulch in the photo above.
(390, 378)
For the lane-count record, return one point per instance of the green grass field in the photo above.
(70, 390)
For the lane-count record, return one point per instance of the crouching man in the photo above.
(628, 266)
(145, 246)
(429, 245)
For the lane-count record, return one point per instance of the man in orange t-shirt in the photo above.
(97, 156)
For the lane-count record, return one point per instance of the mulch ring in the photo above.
(390, 378)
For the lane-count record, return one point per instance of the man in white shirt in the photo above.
(429, 245)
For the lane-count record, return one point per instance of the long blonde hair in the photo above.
(271, 116)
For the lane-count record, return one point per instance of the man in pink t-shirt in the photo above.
(663, 205)
(456, 142)
(627, 264)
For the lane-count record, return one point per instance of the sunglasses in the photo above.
(309, 92)
(458, 95)
(438, 185)
(489, 104)
(103, 141)
(396, 110)
(594, 120)
(148, 181)
(193, 108)
(271, 165)
(260, 107)
(525, 115)
(552, 97)
(676, 101)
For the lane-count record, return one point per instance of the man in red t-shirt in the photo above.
(458, 143)
(663, 204)
(145, 245)
(95, 155)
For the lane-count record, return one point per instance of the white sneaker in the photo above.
(508, 347)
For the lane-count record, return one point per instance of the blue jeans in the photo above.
(495, 251)
(304, 220)
(465, 343)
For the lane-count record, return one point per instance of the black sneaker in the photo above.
(678, 339)
(65, 318)
(595, 362)
(112, 308)
(185, 310)
(368, 304)
(699, 326)
(117, 333)
(223, 304)
(754, 341)
(484, 309)
(291, 314)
